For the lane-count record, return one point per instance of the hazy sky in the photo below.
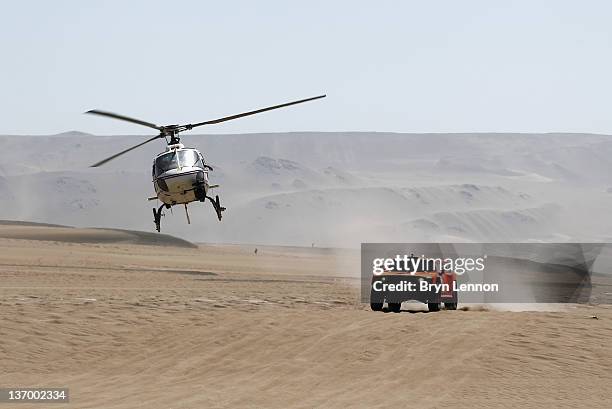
(407, 66)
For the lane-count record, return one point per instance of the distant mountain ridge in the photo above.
(337, 189)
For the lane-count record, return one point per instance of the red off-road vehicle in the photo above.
(423, 286)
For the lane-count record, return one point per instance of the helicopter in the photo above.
(180, 174)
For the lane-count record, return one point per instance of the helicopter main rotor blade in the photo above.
(229, 118)
(103, 161)
(124, 118)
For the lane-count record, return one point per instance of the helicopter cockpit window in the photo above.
(189, 158)
(166, 162)
(172, 160)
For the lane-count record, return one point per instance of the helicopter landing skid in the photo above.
(217, 205)
(157, 214)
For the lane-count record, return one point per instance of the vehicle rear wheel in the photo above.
(450, 305)
(433, 306)
(395, 306)
(376, 306)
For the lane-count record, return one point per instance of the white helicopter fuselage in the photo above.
(180, 175)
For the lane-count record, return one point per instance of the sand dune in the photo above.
(125, 326)
(49, 232)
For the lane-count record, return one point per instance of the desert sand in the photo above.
(127, 325)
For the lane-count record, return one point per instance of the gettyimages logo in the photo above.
(412, 264)
(481, 272)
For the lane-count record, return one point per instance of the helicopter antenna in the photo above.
(172, 131)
